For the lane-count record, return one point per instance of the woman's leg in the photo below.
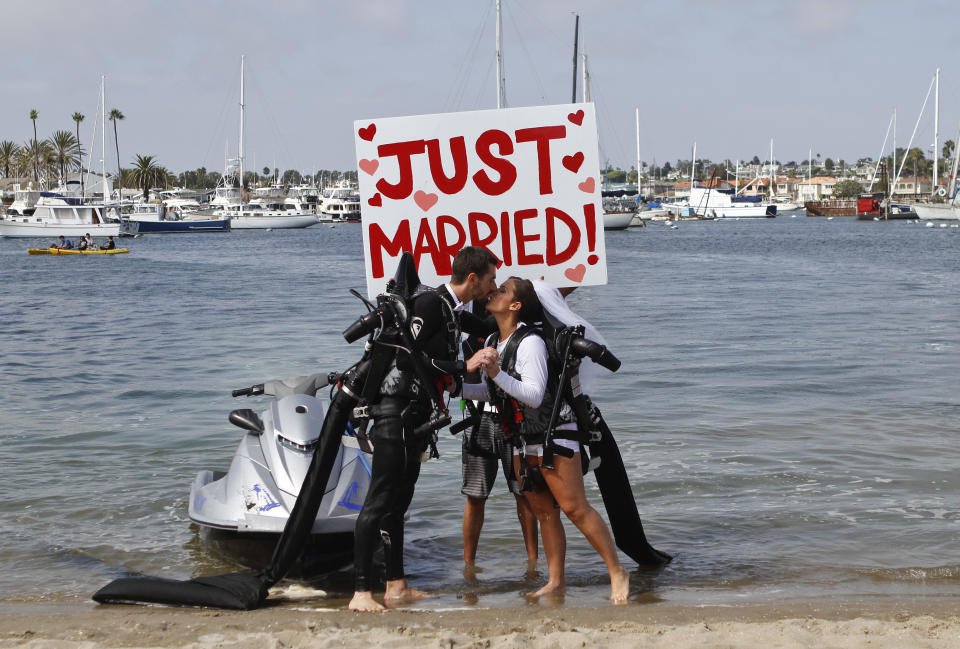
(551, 529)
(565, 481)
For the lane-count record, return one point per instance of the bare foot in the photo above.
(551, 588)
(398, 592)
(470, 571)
(363, 601)
(619, 586)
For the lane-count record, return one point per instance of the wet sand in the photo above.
(875, 624)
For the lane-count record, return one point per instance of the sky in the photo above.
(730, 75)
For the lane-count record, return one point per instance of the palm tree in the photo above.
(33, 117)
(65, 150)
(115, 116)
(79, 117)
(147, 172)
(8, 154)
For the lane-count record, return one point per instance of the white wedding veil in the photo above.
(557, 309)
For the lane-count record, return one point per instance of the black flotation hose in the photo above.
(248, 590)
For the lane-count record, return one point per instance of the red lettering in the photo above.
(505, 238)
(403, 151)
(380, 243)
(508, 173)
(425, 244)
(523, 259)
(473, 221)
(452, 184)
(447, 250)
(542, 136)
(554, 257)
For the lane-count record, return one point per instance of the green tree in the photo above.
(828, 165)
(847, 189)
(33, 118)
(79, 117)
(755, 161)
(266, 171)
(115, 116)
(64, 146)
(8, 154)
(948, 148)
(146, 173)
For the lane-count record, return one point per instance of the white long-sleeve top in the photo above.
(531, 365)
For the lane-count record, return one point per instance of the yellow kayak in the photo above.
(57, 251)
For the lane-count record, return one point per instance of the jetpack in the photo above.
(387, 329)
(612, 479)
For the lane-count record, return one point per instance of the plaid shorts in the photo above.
(480, 471)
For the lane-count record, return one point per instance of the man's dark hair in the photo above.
(472, 259)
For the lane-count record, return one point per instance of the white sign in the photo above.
(522, 182)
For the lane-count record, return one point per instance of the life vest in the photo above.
(524, 424)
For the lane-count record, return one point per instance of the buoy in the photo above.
(930, 225)
(269, 229)
(829, 218)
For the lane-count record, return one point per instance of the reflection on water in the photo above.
(786, 408)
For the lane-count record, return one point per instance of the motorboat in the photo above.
(243, 510)
(37, 213)
(340, 203)
(154, 217)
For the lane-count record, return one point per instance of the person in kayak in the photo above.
(109, 244)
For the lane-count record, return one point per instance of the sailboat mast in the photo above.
(500, 90)
(576, 34)
(103, 139)
(693, 166)
(936, 136)
(638, 153)
(240, 150)
(771, 169)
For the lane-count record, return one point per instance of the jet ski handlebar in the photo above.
(246, 392)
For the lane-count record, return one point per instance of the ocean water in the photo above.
(788, 409)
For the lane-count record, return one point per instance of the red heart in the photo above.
(573, 162)
(576, 118)
(425, 200)
(587, 185)
(376, 201)
(576, 273)
(368, 132)
(369, 166)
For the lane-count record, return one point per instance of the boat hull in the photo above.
(57, 251)
(10, 228)
(937, 211)
(617, 220)
(169, 227)
(272, 222)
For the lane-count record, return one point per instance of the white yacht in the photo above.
(340, 203)
(725, 204)
(233, 202)
(36, 213)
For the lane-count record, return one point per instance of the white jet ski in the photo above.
(244, 510)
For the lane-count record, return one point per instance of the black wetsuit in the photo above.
(403, 406)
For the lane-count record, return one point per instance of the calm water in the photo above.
(788, 407)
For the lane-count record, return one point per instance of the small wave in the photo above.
(934, 573)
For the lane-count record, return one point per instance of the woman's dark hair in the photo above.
(531, 310)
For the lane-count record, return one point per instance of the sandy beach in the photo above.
(307, 624)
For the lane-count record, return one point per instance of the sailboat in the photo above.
(39, 213)
(232, 202)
